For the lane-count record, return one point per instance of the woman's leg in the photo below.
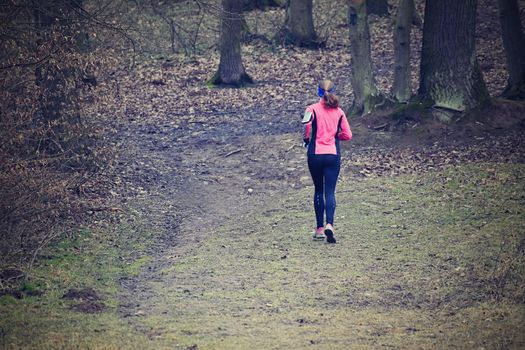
(331, 173)
(315, 164)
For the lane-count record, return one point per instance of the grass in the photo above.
(92, 259)
(415, 267)
(419, 264)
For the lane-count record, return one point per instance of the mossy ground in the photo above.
(415, 266)
(422, 261)
(94, 259)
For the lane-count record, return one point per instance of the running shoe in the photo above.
(329, 231)
(319, 234)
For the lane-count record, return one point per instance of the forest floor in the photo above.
(203, 237)
(213, 248)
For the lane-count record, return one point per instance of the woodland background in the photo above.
(90, 91)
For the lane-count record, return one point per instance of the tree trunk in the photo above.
(449, 72)
(298, 27)
(366, 95)
(514, 43)
(377, 7)
(231, 69)
(401, 88)
(416, 17)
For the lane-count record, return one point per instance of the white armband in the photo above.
(307, 118)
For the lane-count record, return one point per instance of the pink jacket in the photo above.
(327, 127)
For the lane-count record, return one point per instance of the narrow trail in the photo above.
(196, 179)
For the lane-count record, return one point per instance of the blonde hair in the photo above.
(330, 99)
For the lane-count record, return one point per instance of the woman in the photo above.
(325, 125)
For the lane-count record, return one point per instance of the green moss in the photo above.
(374, 102)
(7, 300)
(214, 80)
(403, 109)
(135, 267)
(88, 259)
(28, 287)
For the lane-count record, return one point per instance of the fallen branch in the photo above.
(232, 152)
(113, 209)
(382, 126)
(291, 147)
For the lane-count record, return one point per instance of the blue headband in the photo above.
(320, 91)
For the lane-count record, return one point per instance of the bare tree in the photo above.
(514, 43)
(366, 94)
(401, 88)
(231, 69)
(450, 75)
(298, 28)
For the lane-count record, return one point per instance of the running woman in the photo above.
(325, 125)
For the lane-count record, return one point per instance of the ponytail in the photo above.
(326, 91)
(331, 100)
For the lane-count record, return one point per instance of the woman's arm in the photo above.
(306, 131)
(344, 133)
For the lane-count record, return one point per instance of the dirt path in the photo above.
(196, 179)
(234, 266)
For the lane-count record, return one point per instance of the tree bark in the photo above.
(416, 17)
(514, 43)
(231, 69)
(401, 88)
(298, 27)
(250, 5)
(366, 94)
(449, 74)
(377, 7)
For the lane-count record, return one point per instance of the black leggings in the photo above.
(324, 169)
